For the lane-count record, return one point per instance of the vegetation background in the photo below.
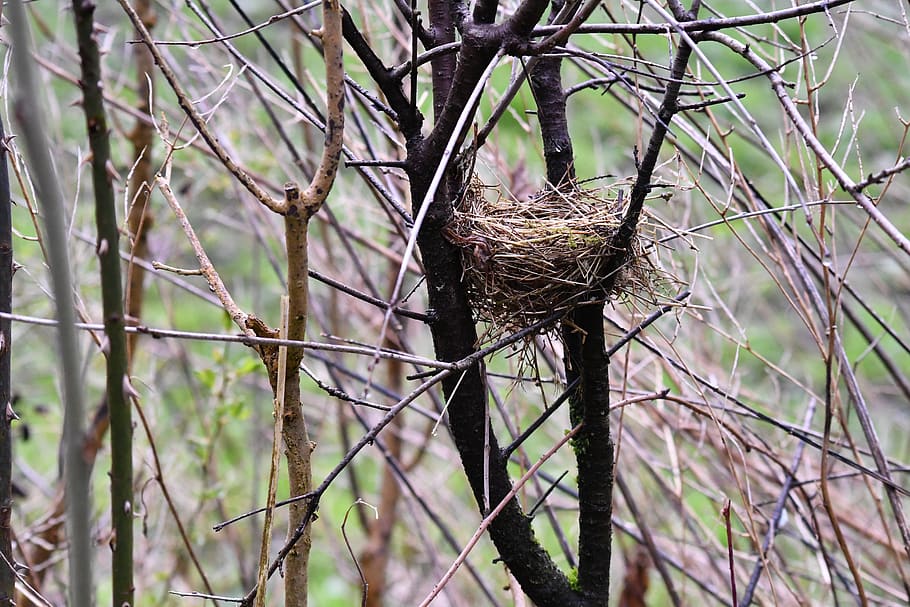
(746, 468)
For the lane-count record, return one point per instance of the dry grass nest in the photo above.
(526, 261)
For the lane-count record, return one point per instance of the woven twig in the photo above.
(525, 261)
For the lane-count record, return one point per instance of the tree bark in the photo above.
(453, 331)
(119, 391)
(7, 578)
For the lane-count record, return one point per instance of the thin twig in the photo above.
(702, 25)
(205, 264)
(278, 417)
(824, 157)
(193, 114)
(270, 21)
(774, 523)
(169, 498)
(253, 340)
(725, 512)
(488, 519)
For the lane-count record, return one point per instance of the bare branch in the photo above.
(332, 45)
(270, 21)
(489, 518)
(880, 176)
(388, 81)
(194, 116)
(848, 185)
(703, 25)
(205, 265)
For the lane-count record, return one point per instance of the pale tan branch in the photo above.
(278, 431)
(298, 209)
(332, 48)
(205, 264)
(296, 242)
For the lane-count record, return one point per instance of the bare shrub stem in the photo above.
(119, 389)
(30, 119)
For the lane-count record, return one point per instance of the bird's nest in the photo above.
(528, 261)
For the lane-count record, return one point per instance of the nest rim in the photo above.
(534, 260)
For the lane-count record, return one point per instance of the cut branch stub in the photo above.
(292, 203)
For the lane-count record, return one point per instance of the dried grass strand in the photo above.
(527, 260)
